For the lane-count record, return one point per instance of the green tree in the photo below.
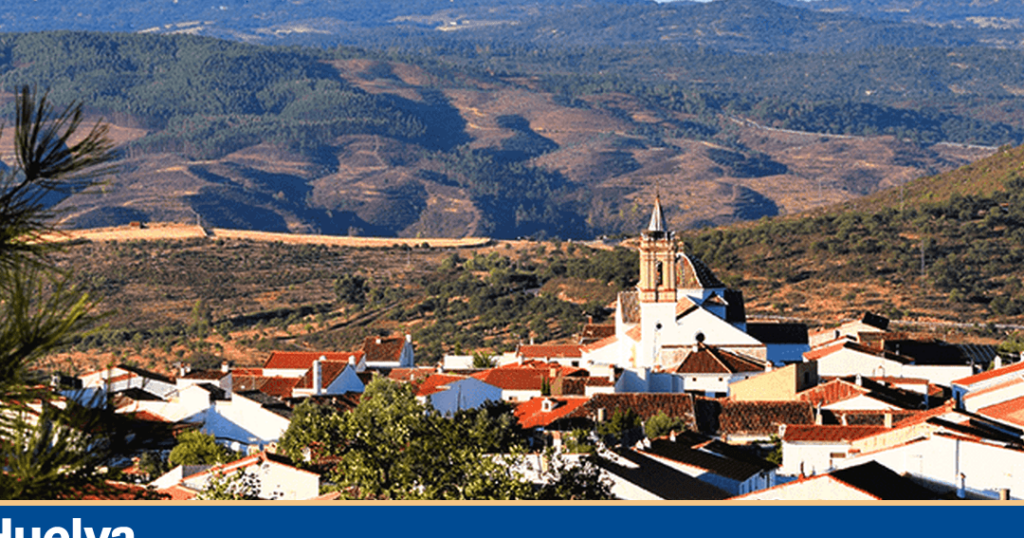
(620, 427)
(314, 428)
(661, 425)
(240, 486)
(482, 360)
(197, 448)
(46, 452)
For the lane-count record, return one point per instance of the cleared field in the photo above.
(170, 231)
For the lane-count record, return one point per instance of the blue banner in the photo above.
(259, 520)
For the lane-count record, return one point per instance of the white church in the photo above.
(679, 308)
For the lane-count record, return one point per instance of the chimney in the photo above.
(672, 435)
(318, 375)
(225, 366)
(601, 414)
(859, 381)
(352, 360)
(408, 338)
(888, 420)
(553, 371)
(1004, 494)
(818, 420)
(378, 340)
(531, 340)
(611, 374)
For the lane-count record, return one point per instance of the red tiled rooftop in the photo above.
(991, 374)
(410, 375)
(831, 392)
(829, 433)
(634, 333)
(549, 351)
(280, 387)
(1011, 411)
(178, 493)
(531, 414)
(329, 371)
(301, 360)
(513, 378)
(826, 351)
(383, 349)
(600, 343)
(148, 416)
(436, 383)
(205, 375)
(711, 360)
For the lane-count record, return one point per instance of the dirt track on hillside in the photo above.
(163, 232)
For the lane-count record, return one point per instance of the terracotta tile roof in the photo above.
(247, 382)
(872, 417)
(708, 360)
(549, 351)
(593, 332)
(571, 386)
(532, 415)
(149, 416)
(819, 353)
(600, 343)
(255, 459)
(629, 301)
(513, 378)
(720, 416)
(208, 375)
(178, 493)
(546, 367)
(831, 392)
(684, 306)
(989, 375)
(436, 383)
(383, 349)
(810, 433)
(301, 360)
(252, 372)
(778, 333)
(1011, 411)
(696, 275)
(644, 404)
(329, 371)
(410, 375)
(279, 387)
(634, 333)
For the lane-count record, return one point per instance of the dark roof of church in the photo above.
(778, 333)
(697, 275)
(735, 312)
(630, 302)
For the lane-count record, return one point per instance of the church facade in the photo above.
(678, 305)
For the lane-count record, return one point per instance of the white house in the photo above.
(449, 394)
(706, 369)
(275, 478)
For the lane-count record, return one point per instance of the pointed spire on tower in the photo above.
(656, 228)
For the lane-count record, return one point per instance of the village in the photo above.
(706, 404)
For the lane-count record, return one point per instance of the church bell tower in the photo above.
(658, 259)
